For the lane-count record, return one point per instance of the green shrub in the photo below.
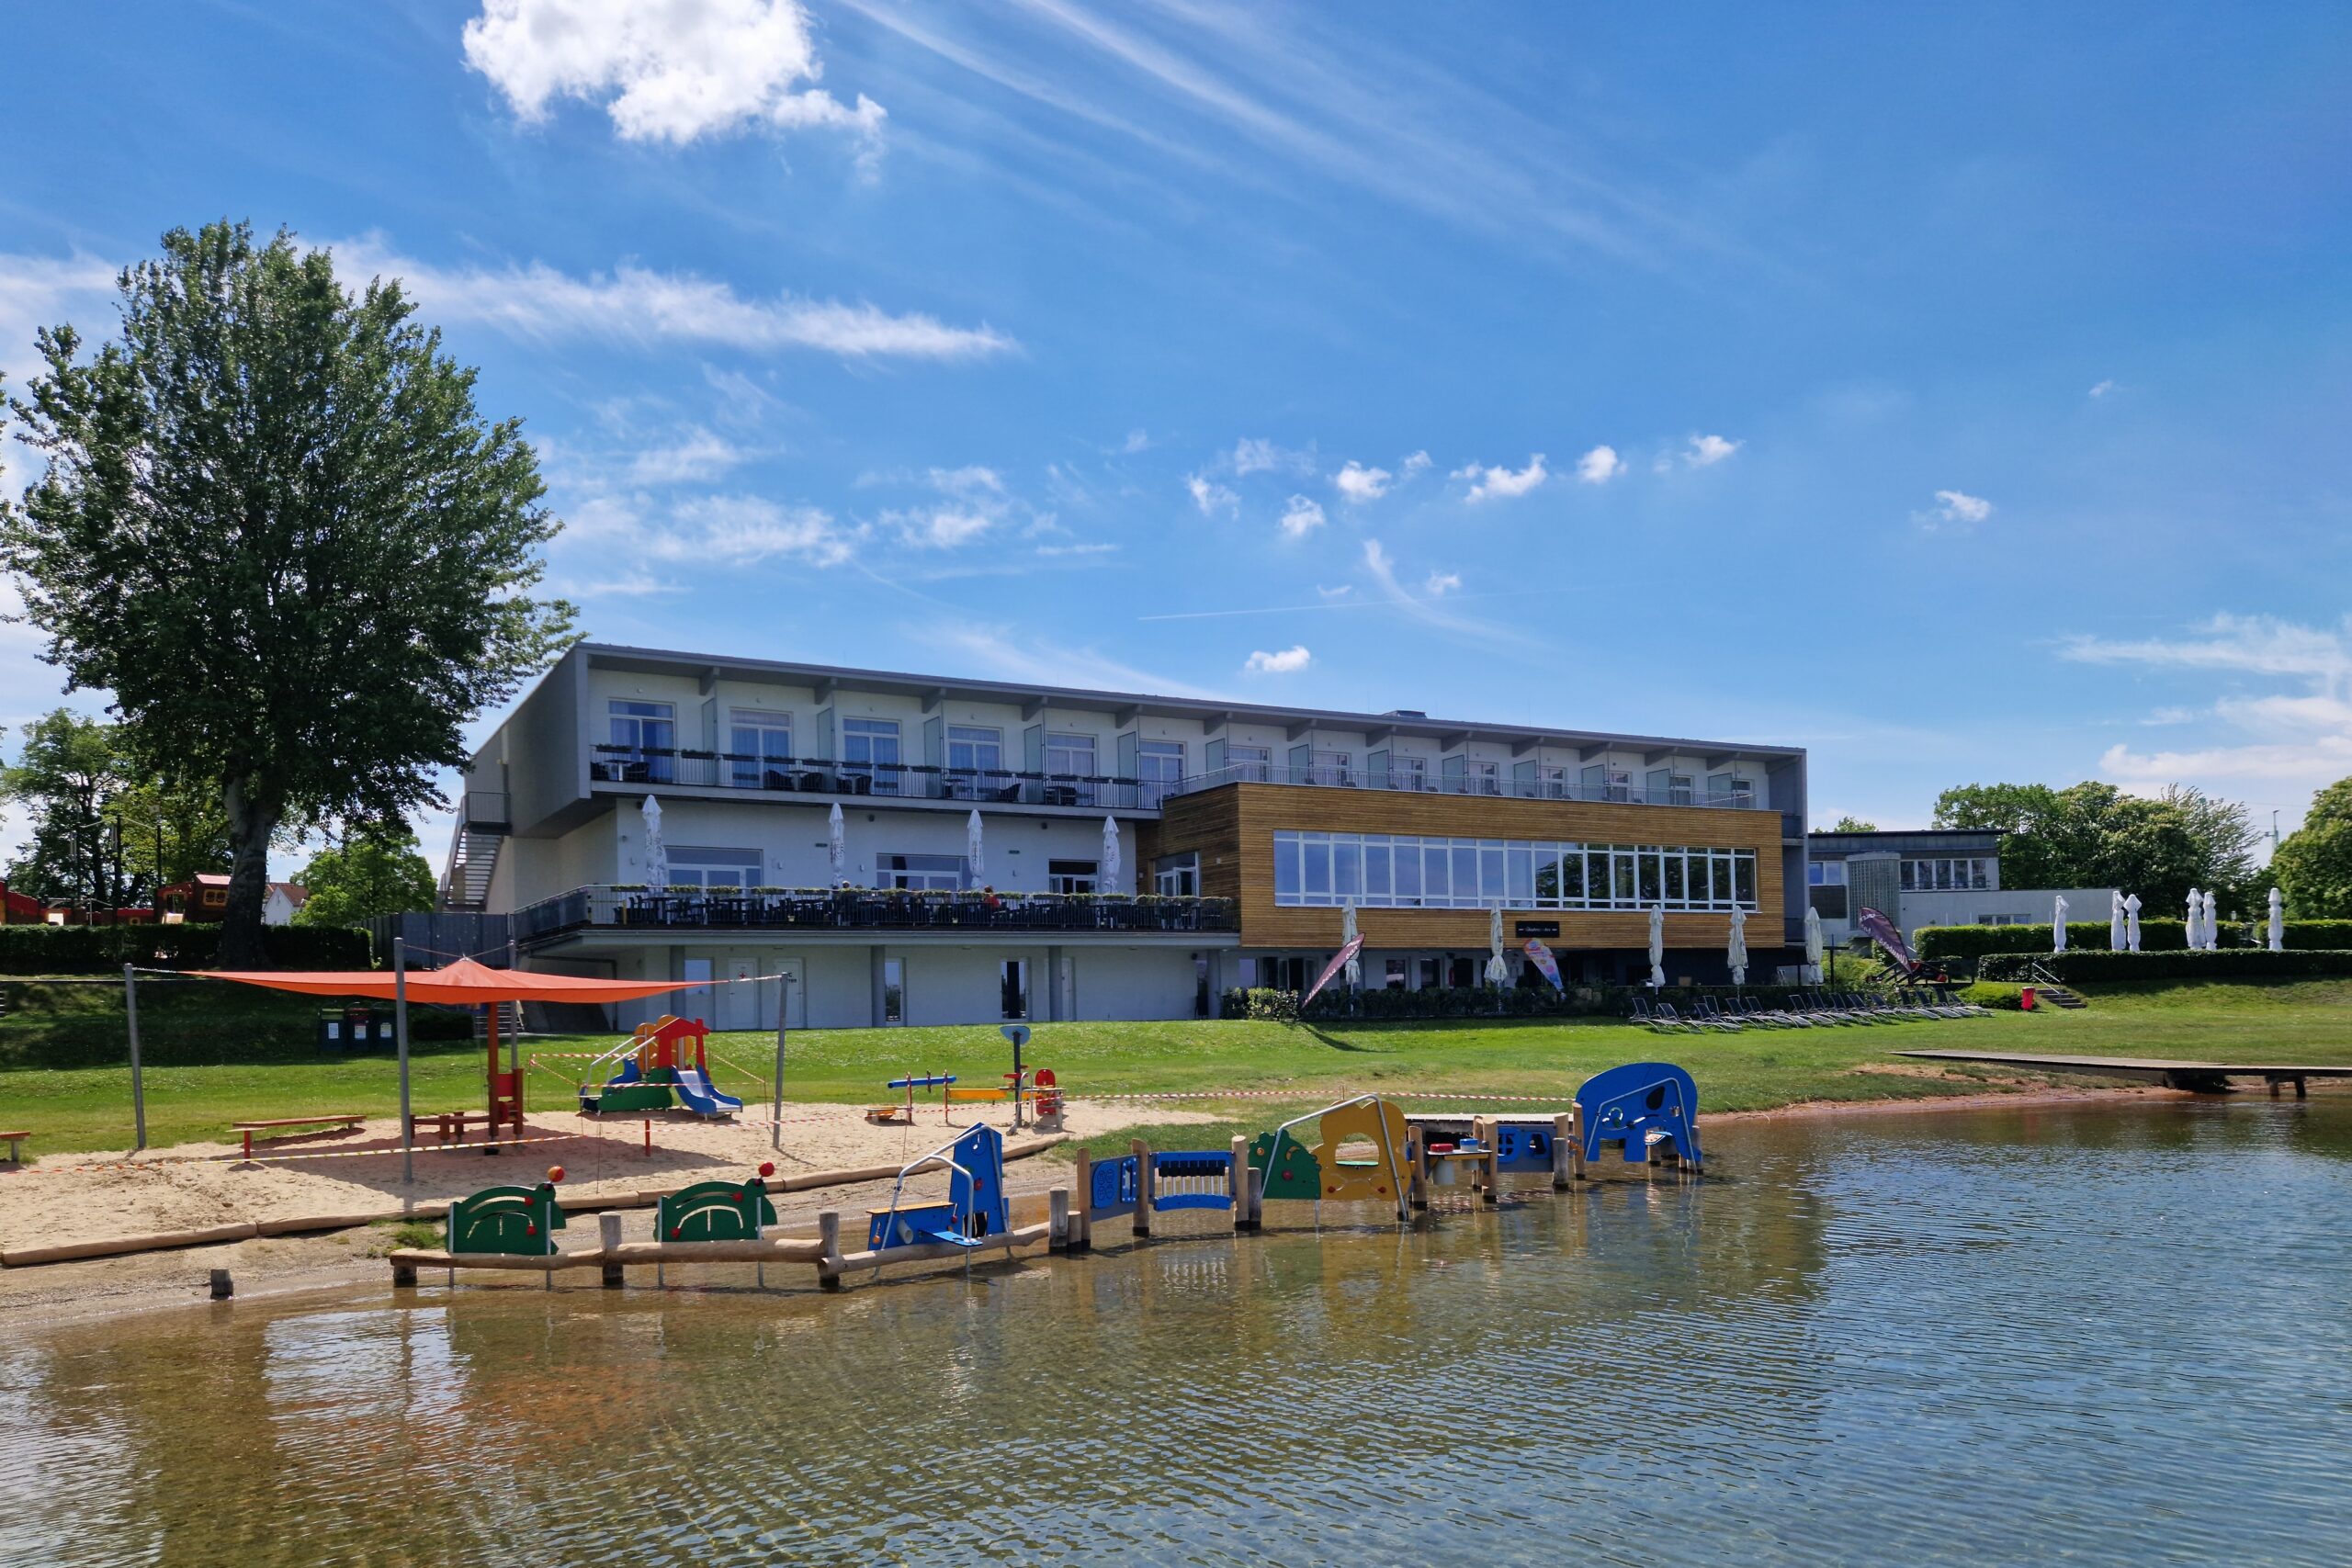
(1995, 995)
(2229, 964)
(1270, 1006)
(97, 950)
(1951, 943)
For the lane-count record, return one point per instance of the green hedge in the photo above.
(181, 1024)
(1949, 943)
(97, 950)
(2229, 964)
(1992, 994)
(1384, 1004)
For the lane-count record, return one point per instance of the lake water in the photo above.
(2097, 1333)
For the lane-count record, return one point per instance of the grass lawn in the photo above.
(2309, 1021)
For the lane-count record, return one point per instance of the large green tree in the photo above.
(272, 522)
(70, 771)
(375, 873)
(2314, 863)
(2094, 835)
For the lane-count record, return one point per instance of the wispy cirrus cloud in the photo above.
(1381, 567)
(2284, 725)
(640, 307)
(1955, 509)
(1300, 516)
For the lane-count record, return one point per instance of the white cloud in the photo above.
(1599, 465)
(1301, 517)
(1210, 497)
(43, 291)
(1382, 567)
(976, 504)
(1488, 483)
(2103, 388)
(1256, 455)
(1415, 463)
(1137, 441)
(666, 71)
(1707, 451)
(636, 305)
(995, 649)
(1290, 660)
(742, 530)
(697, 456)
(2282, 743)
(1953, 507)
(1358, 484)
(1342, 592)
(1440, 583)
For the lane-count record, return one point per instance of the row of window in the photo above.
(1402, 872)
(757, 737)
(1944, 876)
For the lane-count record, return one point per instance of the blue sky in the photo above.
(1958, 391)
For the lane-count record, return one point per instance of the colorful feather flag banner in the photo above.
(1549, 967)
(1338, 962)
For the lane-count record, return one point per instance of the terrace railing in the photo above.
(863, 908)
(1331, 776)
(612, 763)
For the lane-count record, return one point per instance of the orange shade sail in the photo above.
(464, 982)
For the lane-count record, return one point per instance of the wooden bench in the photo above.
(332, 1121)
(15, 1155)
(449, 1124)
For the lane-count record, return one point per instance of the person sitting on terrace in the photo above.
(988, 900)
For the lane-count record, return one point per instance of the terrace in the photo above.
(641, 766)
(1493, 785)
(616, 906)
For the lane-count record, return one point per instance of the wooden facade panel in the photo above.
(1232, 829)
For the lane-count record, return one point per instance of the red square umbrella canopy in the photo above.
(463, 982)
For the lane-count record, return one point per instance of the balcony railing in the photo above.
(864, 908)
(1332, 776)
(903, 781)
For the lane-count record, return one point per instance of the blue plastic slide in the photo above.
(696, 1093)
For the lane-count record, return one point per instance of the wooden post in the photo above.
(829, 1231)
(1237, 1185)
(1058, 1219)
(139, 1081)
(1417, 1177)
(1257, 1199)
(608, 1236)
(1562, 1142)
(1143, 1185)
(1576, 1143)
(1483, 1129)
(1082, 1213)
(403, 1276)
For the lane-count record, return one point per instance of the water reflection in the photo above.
(2112, 1334)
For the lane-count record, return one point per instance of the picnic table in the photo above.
(334, 1121)
(448, 1124)
(16, 1155)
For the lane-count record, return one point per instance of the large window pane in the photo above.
(1492, 887)
(1722, 868)
(1375, 872)
(1653, 888)
(1677, 892)
(1572, 883)
(1408, 872)
(1465, 873)
(1745, 867)
(1347, 868)
(1547, 877)
(1318, 880)
(1621, 862)
(1286, 887)
(1437, 873)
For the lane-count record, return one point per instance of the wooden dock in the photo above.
(2200, 1077)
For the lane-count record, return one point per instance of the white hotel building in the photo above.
(1241, 830)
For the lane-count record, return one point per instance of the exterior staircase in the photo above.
(2058, 997)
(482, 830)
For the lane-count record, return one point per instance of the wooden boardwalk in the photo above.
(2202, 1077)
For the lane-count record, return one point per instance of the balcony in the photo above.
(612, 907)
(1336, 777)
(657, 766)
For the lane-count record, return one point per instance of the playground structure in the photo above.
(1365, 1150)
(661, 1064)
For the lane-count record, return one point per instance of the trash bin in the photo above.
(2025, 998)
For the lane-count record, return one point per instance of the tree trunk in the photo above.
(251, 819)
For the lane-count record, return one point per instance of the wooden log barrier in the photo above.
(1082, 1178)
(1562, 1145)
(829, 1232)
(1417, 1180)
(608, 1232)
(1237, 1188)
(933, 1251)
(119, 1246)
(1576, 1143)
(1058, 1219)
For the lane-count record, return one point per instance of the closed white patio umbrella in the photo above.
(974, 850)
(2115, 920)
(657, 853)
(1106, 878)
(2196, 919)
(1347, 935)
(1812, 945)
(2131, 922)
(2212, 924)
(2278, 921)
(837, 844)
(1497, 972)
(1735, 950)
(1658, 947)
(2058, 924)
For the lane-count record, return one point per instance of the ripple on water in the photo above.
(2107, 1335)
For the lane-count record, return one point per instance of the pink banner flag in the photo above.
(1549, 967)
(1337, 963)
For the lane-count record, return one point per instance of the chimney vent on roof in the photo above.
(1403, 713)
